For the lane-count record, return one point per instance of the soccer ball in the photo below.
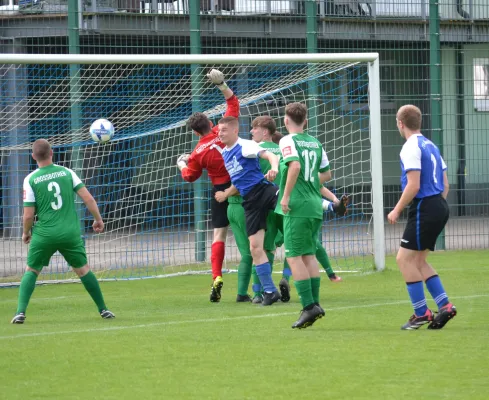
(102, 131)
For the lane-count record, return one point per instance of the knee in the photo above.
(80, 272)
(220, 234)
(27, 269)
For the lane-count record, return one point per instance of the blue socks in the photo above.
(416, 293)
(264, 272)
(435, 287)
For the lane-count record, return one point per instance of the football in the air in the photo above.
(102, 131)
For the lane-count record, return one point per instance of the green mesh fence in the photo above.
(433, 54)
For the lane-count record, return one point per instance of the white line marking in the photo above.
(211, 320)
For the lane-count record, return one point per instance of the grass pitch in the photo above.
(169, 342)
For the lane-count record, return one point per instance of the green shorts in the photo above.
(301, 236)
(42, 249)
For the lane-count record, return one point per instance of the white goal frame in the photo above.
(372, 59)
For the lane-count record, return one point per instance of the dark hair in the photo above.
(410, 116)
(41, 150)
(199, 122)
(276, 137)
(229, 120)
(297, 112)
(265, 121)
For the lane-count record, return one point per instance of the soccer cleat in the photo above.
(258, 299)
(323, 313)
(445, 314)
(340, 208)
(18, 319)
(270, 298)
(335, 278)
(240, 298)
(106, 314)
(309, 316)
(417, 322)
(216, 290)
(284, 290)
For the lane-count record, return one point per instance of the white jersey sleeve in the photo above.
(324, 161)
(76, 179)
(250, 149)
(288, 149)
(29, 196)
(411, 155)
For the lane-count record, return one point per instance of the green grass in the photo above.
(169, 342)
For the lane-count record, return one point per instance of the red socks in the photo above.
(217, 258)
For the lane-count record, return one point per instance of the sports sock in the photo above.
(93, 288)
(257, 287)
(323, 259)
(217, 258)
(435, 287)
(418, 300)
(264, 272)
(27, 286)
(244, 275)
(304, 290)
(286, 272)
(315, 285)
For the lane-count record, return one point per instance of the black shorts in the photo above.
(257, 203)
(426, 219)
(219, 211)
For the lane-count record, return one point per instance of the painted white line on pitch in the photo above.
(43, 298)
(212, 320)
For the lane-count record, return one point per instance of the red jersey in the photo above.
(207, 156)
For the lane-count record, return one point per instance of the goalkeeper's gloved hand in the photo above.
(340, 208)
(217, 78)
(182, 161)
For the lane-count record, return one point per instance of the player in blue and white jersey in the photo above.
(241, 158)
(424, 185)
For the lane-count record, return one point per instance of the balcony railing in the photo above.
(418, 9)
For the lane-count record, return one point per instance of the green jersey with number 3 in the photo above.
(51, 190)
(305, 199)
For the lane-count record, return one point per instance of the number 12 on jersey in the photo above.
(310, 158)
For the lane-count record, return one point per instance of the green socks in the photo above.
(323, 259)
(315, 284)
(27, 285)
(304, 290)
(93, 288)
(244, 275)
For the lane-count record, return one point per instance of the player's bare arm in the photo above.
(328, 194)
(294, 168)
(273, 160)
(91, 204)
(446, 185)
(222, 196)
(325, 177)
(27, 222)
(410, 191)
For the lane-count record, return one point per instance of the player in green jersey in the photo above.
(304, 167)
(49, 193)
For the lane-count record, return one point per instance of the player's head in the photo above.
(199, 123)
(408, 120)
(263, 128)
(276, 137)
(295, 117)
(41, 150)
(229, 130)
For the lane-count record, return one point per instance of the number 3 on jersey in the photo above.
(310, 157)
(57, 195)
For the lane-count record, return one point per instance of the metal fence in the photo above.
(433, 53)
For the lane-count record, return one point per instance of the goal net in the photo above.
(156, 223)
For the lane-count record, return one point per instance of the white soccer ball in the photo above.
(102, 131)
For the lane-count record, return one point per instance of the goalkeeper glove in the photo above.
(217, 78)
(182, 161)
(340, 208)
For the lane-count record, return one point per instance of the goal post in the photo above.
(158, 224)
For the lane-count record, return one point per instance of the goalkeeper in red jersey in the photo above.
(206, 155)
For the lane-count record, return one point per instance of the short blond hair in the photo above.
(41, 149)
(410, 116)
